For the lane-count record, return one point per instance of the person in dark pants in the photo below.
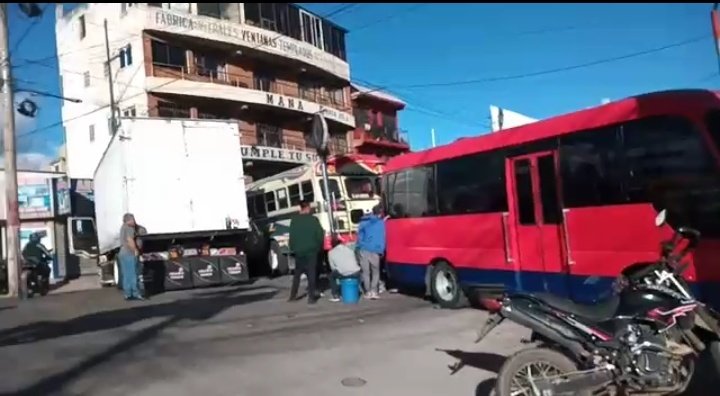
(306, 241)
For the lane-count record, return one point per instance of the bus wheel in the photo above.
(445, 287)
(277, 261)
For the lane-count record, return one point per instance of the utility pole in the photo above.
(108, 63)
(432, 136)
(12, 213)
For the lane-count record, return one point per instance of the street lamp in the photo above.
(28, 108)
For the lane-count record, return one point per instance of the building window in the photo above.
(338, 144)
(209, 9)
(361, 117)
(311, 29)
(268, 135)
(334, 39)
(172, 110)
(263, 81)
(86, 79)
(210, 66)
(126, 56)
(182, 7)
(308, 89)
(167, 55)
(158, 5)
(81, 23)
(129, 112)
(336, 96)
(91, 133)
(124, 7)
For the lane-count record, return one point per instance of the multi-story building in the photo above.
(376, 123)
(267, 66)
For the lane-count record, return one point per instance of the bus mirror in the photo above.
(660, 218)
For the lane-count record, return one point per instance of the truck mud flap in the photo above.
(205, 271)
(233, 269)
(177, 275)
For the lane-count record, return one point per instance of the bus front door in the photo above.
(536, 215)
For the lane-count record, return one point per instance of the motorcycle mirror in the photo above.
(660, 218)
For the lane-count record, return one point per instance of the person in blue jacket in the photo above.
(370, 246)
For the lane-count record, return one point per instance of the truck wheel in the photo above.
(280, 260)
(445, 287)
(117, 275)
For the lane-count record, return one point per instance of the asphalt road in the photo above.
(244, 341)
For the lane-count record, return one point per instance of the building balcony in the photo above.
(382, 136)
(183, 19)
(216, 84)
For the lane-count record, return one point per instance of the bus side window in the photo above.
(251, 206)
(282, 198)
(307, 191)
(294, 192)
(270, 201)
(259, 201)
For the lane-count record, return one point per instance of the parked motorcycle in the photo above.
(645, 338)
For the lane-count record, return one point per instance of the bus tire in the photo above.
(283, 267)
(445, 286)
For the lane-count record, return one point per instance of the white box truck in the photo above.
(183, 180)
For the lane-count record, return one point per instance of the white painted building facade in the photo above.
(82, 54)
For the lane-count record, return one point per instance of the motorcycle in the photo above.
(36, 276)
(644, 339)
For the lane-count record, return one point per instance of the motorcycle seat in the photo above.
(598, 312)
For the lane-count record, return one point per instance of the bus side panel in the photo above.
(605, 240)
(473, 244)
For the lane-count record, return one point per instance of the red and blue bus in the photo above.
(561, 205)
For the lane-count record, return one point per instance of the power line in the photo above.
(387, 17)
(559, 69)
(100, 108)
(34, 22)
(341, 9)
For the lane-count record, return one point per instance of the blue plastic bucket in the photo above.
(350, 290)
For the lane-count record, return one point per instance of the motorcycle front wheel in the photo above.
(521, 370)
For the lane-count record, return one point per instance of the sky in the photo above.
(538, 56)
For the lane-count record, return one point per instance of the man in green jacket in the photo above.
(306, 241)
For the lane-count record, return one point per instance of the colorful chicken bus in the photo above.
(561, 205)
(353, 182)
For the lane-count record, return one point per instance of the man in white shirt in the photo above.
(343, 264)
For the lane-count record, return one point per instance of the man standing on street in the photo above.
(306, 241)
(371, 245)
(128, 258)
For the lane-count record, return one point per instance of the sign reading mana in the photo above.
(283, 101)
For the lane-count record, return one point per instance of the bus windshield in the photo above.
(361, 187)
(334, 188)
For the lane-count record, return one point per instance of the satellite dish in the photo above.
(319, 134)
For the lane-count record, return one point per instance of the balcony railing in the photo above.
(383, 135)
(221, 76)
